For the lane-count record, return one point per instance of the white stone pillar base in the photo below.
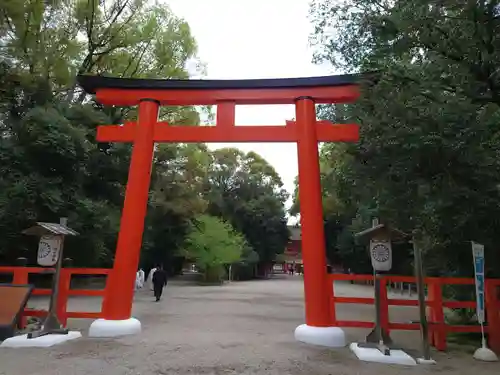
(332, 337)
(114, 328)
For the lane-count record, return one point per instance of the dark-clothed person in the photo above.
(159, 282)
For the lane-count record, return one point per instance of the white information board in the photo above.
(381, 255)
(49, 248)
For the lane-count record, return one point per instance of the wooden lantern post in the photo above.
(50, 253)
(380, 238)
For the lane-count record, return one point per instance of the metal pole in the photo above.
(419, 274)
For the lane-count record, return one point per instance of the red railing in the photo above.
(20, 276)
(435, 304)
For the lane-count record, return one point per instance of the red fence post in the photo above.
(331, 291)
(431, 297)
(20, 276)
(384, 306)
(434, 308)
(435, 311)
(493, 314)
(62, 298)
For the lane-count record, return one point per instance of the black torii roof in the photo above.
(92, 83)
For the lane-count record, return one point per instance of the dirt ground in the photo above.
(240, 328)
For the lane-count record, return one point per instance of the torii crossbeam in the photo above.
(305, 131)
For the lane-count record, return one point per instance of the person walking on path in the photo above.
(159, 282)
(149, 280)
(139, 279)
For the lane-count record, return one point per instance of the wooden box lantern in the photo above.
(380, 237)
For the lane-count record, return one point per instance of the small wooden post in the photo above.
(424, 328)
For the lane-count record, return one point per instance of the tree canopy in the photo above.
(428, 158)
(213, 244)
(51, 165)
(248, 193)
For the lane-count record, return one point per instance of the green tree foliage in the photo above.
(247, 192)
(428, 155)
(213, 244)
(127, 38)
(176, 198)
(51, 165)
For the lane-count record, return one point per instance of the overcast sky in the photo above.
(254, 39)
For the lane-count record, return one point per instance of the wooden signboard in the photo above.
(14, 299)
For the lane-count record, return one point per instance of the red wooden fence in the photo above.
(20, 276)
(435, 304)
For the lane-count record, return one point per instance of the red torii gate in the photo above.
(306, 131)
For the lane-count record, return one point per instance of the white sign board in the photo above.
(381, 255)
(49, 248)
(478, 254)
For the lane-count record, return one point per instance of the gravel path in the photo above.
(241, 328)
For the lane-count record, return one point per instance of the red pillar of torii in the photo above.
(306, 131)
